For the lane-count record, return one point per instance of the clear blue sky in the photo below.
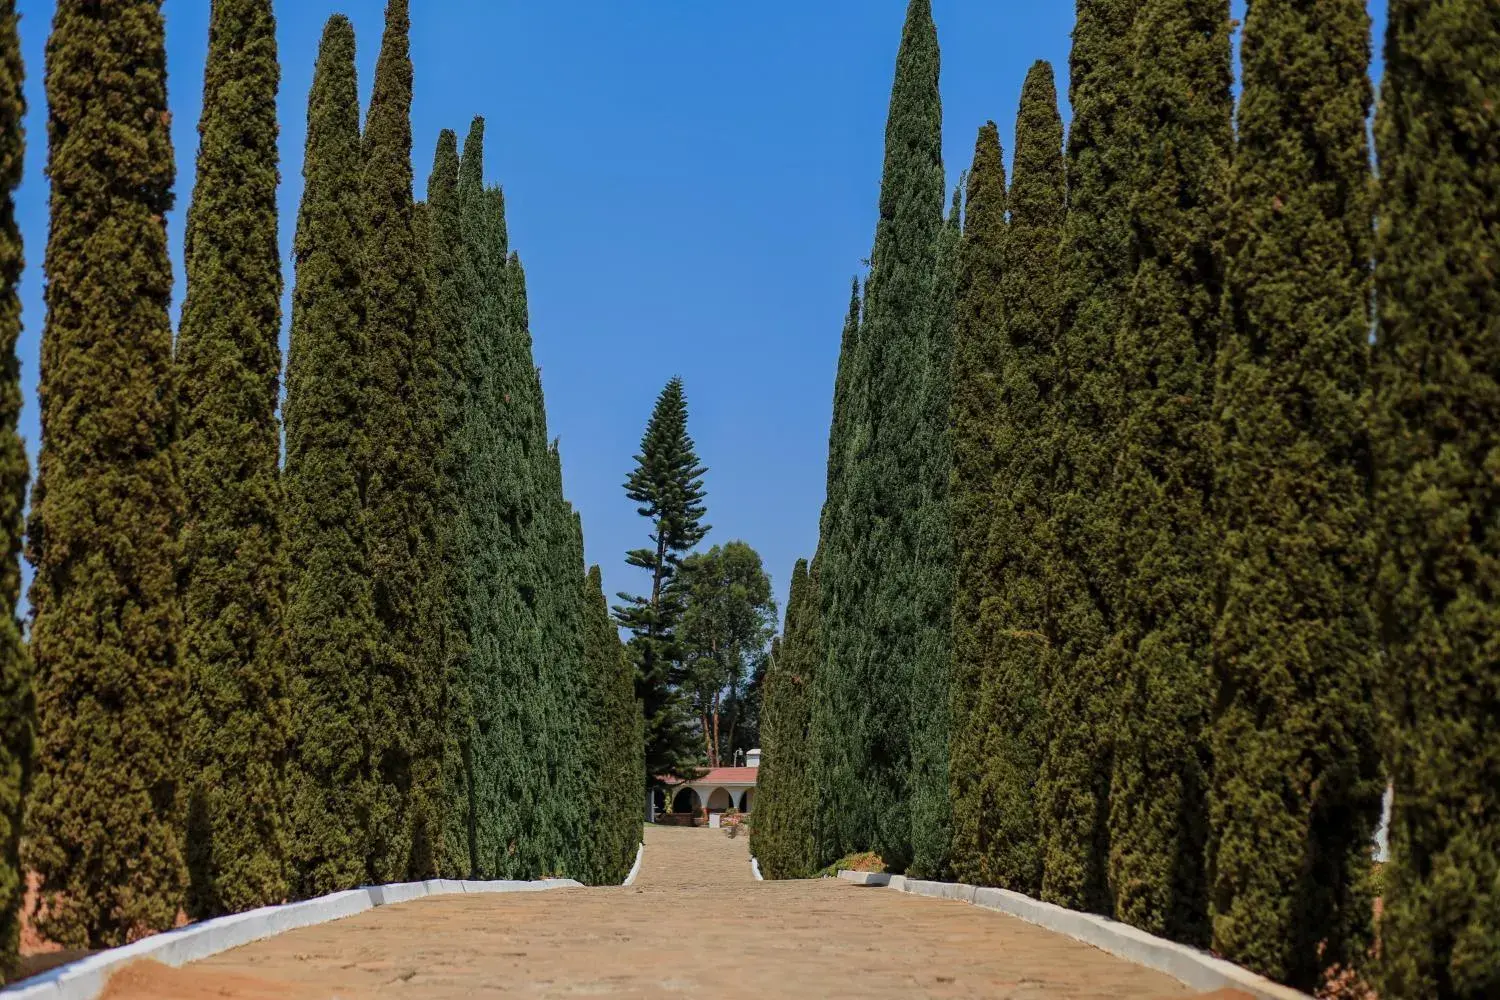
(691, 187)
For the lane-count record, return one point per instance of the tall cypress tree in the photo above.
(17, 710)
(615, 765)
(932, 670)
(1181, 108)
(483, 280)
(105, 816)
(871, 565)
(395, 461)
(445, 306)
(975, 409)
(782, 836)
(1437, 356)
(1012, 686)
(1296, 788)
(229, 378)
(330, 614)
(831, 719)
(667, 483)
(1085, 571)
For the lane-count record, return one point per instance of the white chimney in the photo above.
(752, 758)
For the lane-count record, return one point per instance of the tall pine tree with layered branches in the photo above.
(667, 484)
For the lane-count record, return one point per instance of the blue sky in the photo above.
(690, 185)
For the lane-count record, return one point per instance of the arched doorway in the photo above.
(719, 800)
(685, 801)
(745, 800)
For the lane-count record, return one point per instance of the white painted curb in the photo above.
(864, 878)
(755, 870)
(86, 978)
(1190, 966)
(635, 869)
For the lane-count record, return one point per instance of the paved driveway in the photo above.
(694, 924)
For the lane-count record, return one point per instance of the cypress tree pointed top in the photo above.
(445, 161)
(987, 203)
(472, 170)
(913, 137)
(1036, 195)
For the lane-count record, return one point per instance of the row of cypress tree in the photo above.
(248, 681)
(1219, 556)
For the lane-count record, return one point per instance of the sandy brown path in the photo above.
(695, 924)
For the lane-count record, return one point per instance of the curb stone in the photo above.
(1187, 965)
(86, 978)
(865, 878)
(635, 869)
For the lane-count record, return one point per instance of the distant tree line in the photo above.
(1189, 563)
(249, 680)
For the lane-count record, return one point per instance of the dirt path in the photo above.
(695, 924)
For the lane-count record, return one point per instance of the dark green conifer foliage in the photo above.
(1181, 104)
(931, 816)
(782, 835)
(1296, 781)
(978, 328)
(17, 709)
(481, 692)
(396, 468)
(830, 766)
(446, 304)
(330, 616)
(1085, 571)
(870, 566)
(228, 380)
(105, 817)
(1013, 683)
(667, 483)
(1437, 358)
(524, 735)
(615, 765)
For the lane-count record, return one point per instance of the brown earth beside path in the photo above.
(694, 924)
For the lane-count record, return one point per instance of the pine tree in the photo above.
(1085, 571)
(667, 483)
(615, 766)
(395, 462)
(228, 378)
(978, 328)
(932, 671)
(1181, 108)
(445, 303)
(782, 835)
(330, 614)
(830, 733)
(105, 817)
(17, 709)
(1296, 784)
(1437, 356)
(867, 559)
